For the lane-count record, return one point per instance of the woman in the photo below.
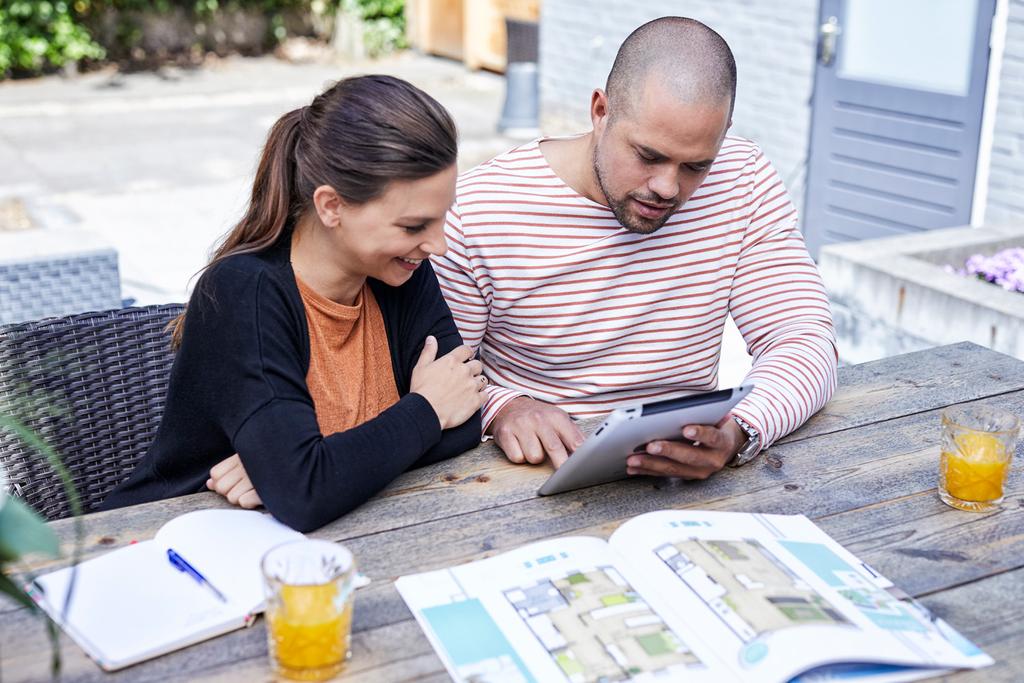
(316, 345)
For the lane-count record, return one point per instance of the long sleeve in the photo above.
(469, 298)
(780, 307)
(304, 478)
(239, 386)
(433, 317)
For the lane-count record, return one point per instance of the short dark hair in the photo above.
(690, 56)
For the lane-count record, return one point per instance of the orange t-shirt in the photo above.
(350, 376)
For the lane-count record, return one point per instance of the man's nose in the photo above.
(665, 184)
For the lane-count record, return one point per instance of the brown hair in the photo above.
(357, 136)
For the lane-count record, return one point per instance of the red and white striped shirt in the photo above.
(567, 306)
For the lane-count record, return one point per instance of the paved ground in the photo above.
(158, 165)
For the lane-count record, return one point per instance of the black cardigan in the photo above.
(238, 385)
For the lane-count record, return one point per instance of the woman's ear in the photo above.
(329, 205)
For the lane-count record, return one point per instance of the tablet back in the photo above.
(602, 457)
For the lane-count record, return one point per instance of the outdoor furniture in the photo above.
(92, 386)
(864, 469)
(55, 271)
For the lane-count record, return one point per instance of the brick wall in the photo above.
(1006, 172)
(774, 44)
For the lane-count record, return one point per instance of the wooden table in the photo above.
(864, 469)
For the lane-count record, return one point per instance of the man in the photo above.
(598, 271)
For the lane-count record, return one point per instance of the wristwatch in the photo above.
(751, 448)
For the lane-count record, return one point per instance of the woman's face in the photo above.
(388, 237)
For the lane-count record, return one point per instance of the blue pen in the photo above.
(181, 564)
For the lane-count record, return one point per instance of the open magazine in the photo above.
(682, 595)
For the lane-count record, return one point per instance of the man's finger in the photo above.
(663, 467)
(682, 453)
(224, 466)
(553, 446)
(570, 434)
(510, 445)
(708, 436)
(642, 471)
(531, 447)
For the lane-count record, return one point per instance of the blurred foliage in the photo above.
(38, 36)
(383, 24)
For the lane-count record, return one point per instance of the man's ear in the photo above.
(329, 205)
(599, 109)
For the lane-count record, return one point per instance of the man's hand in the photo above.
(229, 479)
(528, 430)
(715, 446)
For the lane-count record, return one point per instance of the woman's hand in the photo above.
(229, 479)
(452, 384)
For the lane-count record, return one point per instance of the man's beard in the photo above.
(620, 207)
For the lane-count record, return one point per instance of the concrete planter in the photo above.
(893, 295)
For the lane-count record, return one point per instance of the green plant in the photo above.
(24, 533)
(383, 24)
(36, 35)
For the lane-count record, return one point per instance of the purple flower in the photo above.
(1004, 268)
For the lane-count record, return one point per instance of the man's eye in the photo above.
(645, 158)
(413, 229)
(698, 168)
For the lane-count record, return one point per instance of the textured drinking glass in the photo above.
(977, 446)
(309, 608)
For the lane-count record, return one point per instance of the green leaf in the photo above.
(8, 587)
(22, 531)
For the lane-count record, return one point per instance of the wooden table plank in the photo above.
(913, 382)
(990, 613)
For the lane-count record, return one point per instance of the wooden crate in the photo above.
(484, 39)
(436, 26)
(470, 30)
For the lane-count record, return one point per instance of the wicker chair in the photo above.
(93, 387)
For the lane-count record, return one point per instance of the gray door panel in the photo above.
(888, 160)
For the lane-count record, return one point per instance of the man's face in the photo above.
(654, 155)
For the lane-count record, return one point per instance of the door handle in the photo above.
(828, 35)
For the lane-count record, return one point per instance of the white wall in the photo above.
(1006, 171)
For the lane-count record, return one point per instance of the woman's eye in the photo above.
(413, 229)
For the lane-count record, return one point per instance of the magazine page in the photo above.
(558, 610)
(775, 596)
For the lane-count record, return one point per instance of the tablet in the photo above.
(602, 457)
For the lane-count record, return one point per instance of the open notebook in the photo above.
(132, 604)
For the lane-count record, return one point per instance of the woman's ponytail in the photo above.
(271, 203)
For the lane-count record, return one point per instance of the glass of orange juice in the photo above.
(309, 587)
(977, 447)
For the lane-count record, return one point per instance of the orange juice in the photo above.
(309, 631)
(976, 470)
